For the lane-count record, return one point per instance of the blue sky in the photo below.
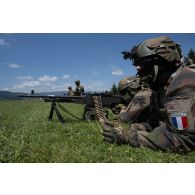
(52, 62)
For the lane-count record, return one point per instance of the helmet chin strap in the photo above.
(152, 77)
(155, 73)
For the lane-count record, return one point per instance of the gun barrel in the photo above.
(50, 98)
(107, 100)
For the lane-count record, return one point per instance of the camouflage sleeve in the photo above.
(139, 103)
(158, 139)
(180, 102)
(177, 133)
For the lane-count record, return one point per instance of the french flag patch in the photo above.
(179, 121)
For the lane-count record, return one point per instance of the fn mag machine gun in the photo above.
(108, 101)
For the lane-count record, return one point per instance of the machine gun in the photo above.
(108, 101)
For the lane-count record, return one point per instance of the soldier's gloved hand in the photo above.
(140, 127)
(116, 109)
(113, 132)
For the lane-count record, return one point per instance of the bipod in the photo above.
(54, 106)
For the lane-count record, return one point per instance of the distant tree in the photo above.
(191, 55)
(114, 89)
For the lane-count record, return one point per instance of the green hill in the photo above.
(7, 95)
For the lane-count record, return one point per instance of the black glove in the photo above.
(113, 132)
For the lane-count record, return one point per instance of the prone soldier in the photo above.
(158, 62)
(137, 99)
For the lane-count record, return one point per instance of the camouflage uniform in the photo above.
(137, 95)
(79, 90)
(137, 108)
(177, 98)
(127, 88)
(70, 91)
(178, 132)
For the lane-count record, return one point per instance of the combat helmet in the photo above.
(157, 48)
(77, 82)
(154, 56)
(129, 82)
(128, 87)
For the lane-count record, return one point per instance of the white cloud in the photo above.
(117, 72)
(96, 86)
(3, 43)
(24, 77)
(5, 89)
(43, 83)
(27, 84)
(60, 87)
(14, 65)
(47, 78)
(46, 84)
(66, 76)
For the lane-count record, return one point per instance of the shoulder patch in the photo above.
(179, 120)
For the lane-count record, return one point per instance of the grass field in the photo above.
(27, 136)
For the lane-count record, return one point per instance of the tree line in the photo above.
(191, 57)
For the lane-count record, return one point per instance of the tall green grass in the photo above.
(27, 136)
